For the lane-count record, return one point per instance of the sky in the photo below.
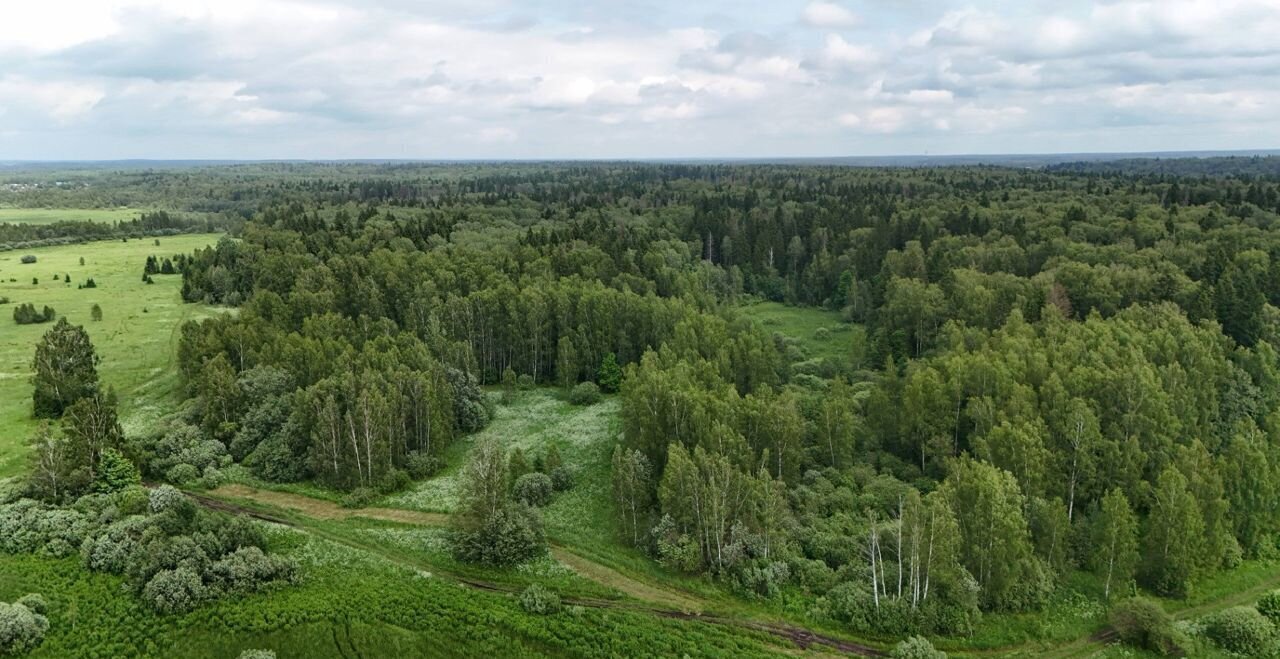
(336, 79)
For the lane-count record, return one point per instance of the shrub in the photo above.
(274, 461)
(35, 602)
(182, 474)
(1141, 622)
(534, 489)
(1269, 606)
(539, 600)
(422, 465)
(916, 647)
(174, 591)
(115, 472)
(394, 481)
(1240, 629)
(610, 373)
(822, 334)
(511, 535)
(359, 497)
(248, 568)
(21, 629)
(561, 478)
(585, 393)
(525, 381)
(165, 497)
(28, 259)
(26, 314)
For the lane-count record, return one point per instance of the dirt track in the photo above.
(657, 601)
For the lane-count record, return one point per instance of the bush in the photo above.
(525, 381)
(916, 647)
(511, 535)
(394, 481)
(248, 568)
(115, 472)
(422, 465)
(1240, 629)
(35, 602)
(585, 393)
(273, 460)
(28, 259)
(1141, 622)
(165, 497)
(21, 629)
(539, 600)
(182, 474)
(175, 591)
(534, 489)
(561, 478)
(1269, 606)
(359, 497)
(27, 314)
(610, 374)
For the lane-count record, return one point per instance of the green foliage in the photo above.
(534, 489)
(609, 376)
(66, 369)
(539, 600)
(1242, 630)
(585, 393)
(21, 628)
(115, 472)
(27, 314)
(1142, 623)
(1269, 606)
(916, 647)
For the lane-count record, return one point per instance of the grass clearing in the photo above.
(51, 215)
(136, 338)
(819, 333)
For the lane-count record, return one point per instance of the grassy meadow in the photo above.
(136, 338)
(51, 215)
(818, 333)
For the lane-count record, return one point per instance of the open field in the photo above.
(803, 325)
(50, 215)
(136, 338)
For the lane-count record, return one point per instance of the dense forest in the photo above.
(1059, 370)
(1051, 371)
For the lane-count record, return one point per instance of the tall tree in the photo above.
(1113, 540)
(66, 369)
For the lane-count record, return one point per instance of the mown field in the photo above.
(135, 339)
(50, 215)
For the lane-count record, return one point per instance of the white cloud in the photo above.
(112, 78)
(829, 15)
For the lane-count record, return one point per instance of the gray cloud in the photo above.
(574, 78)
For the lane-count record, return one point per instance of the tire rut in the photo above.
(798, 636)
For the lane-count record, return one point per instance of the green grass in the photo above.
(51, 215)
(802, 325)
(136, 338)
(350, 603)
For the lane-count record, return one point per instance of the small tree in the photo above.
(66, 369)
(610, 374)
(95, 313)
(115, 472)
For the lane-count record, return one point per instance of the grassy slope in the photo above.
(50, 215)
(136, 338)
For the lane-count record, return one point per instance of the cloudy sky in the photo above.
(634, 79)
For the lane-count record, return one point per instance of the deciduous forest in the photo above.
(978, 408)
